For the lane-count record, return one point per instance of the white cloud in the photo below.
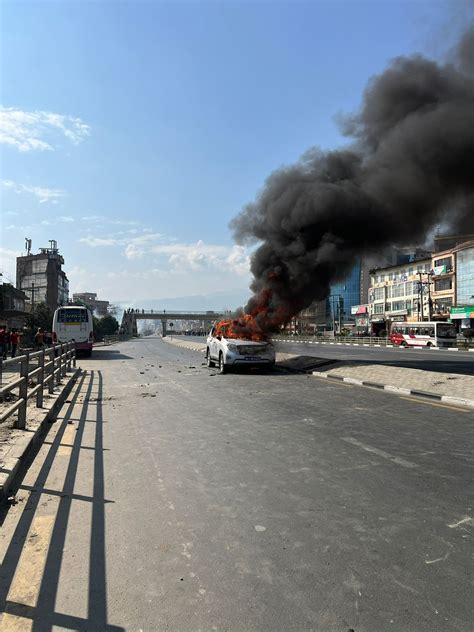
(181, 257)
(93, 218)
(202, 256)
(114, 240)
(94, 242)
(37, 130)
(8, 265)
(43, 194)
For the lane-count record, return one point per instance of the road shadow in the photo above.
(101, 354)
(43, 616)
(433, 366)
(428, 363)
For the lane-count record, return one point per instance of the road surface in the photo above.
(440, 360)
(168, 497)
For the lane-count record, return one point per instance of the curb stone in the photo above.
(23, 444)
(446, 399)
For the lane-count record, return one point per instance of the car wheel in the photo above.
(222, 366)
(404, 344)
(209, 362)
(429, 344)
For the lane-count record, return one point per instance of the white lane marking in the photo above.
(463, 521)
(440, 559)
(396, 459)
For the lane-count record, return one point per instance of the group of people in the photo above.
(132, 310)
(9, 340)
(43, 338)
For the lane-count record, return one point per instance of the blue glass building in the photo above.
(345, 295)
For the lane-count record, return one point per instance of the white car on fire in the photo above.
(235, 352)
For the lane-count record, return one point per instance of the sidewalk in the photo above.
(448, 387)
(14, 443)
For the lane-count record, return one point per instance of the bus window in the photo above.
(73, 316)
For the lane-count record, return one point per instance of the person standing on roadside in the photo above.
(3, 344)
(8, 341)
(15, 339)
(39, 338)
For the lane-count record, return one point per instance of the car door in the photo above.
(213, 344)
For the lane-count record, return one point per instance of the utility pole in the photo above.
(32, 296)
(430, 302)
(420, 297)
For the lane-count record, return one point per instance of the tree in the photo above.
(106, 326)
(40, 316)
(468, 333)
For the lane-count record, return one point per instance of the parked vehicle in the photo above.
(423, 334)
(235, 352)
(74, 324)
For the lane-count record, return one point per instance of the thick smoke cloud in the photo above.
(410, 165)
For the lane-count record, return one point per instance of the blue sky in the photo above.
(132, 132)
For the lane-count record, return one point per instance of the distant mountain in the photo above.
(217, 301)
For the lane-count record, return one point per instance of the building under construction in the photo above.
(41, 277)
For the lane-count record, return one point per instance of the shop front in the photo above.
(361, 318)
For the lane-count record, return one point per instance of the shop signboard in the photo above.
(462, 313)
(359, 309)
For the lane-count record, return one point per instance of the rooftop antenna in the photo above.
(28, 246)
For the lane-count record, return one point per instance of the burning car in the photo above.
(226, 348)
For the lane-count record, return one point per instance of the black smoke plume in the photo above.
(409, 167)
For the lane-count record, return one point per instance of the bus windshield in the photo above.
(446, 330)
(73, 315)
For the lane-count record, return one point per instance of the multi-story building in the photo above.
(41, 277)
(99, 308)
(12, 306)
(453, 278)
(399, 293)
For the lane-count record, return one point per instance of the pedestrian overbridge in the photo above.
(167, 318)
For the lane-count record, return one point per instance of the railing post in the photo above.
(56, 365)
(64, 360)
(51, 370)
(69, 356)
(60, 363)
(73, 355)
(39, 394)
(23, 393)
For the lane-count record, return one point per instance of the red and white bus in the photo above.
(423, 334)
(73, 323)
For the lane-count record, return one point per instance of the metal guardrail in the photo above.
(47, 366)
(351, 339)
(359, 340)
(109, 340)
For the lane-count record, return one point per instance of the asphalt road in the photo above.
(168, 497)
(461, 362)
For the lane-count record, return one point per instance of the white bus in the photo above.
(74, 323)
(423, 334)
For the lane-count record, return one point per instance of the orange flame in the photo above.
(257, 325)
